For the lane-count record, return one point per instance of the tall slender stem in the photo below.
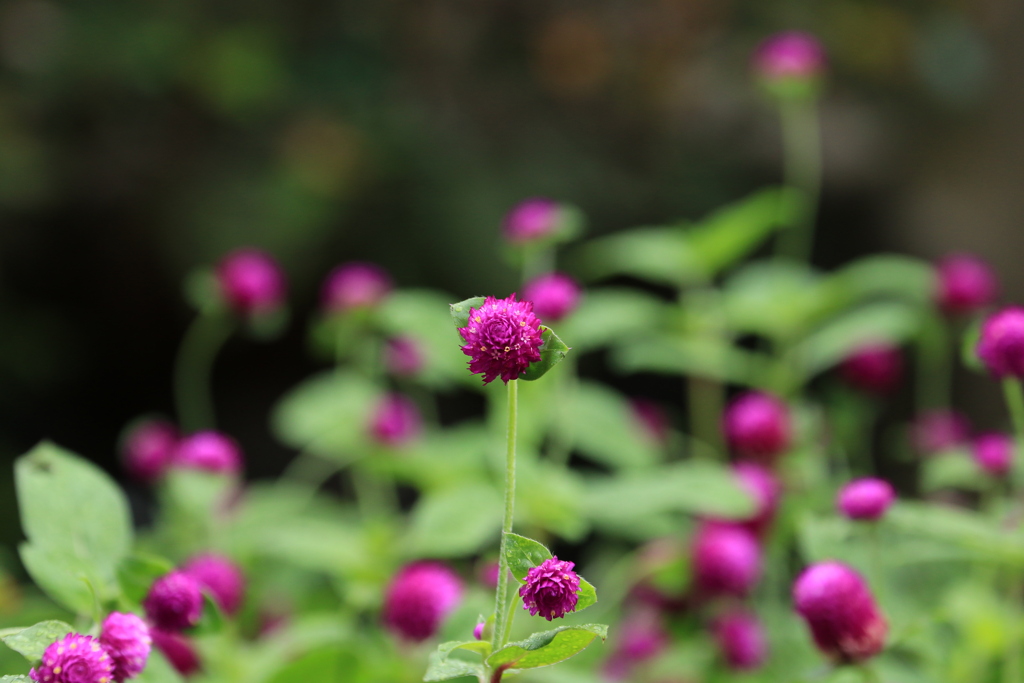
(193, 368)
(502, 602)
(1015, 404)
(801, 141)
(934, 374)
(1014, 394)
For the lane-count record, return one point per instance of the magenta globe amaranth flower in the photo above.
(221, 577)
(396, 421)
(419, 598)
(127, 639)
(964, 283)
(790, 62)
(178, 650)
(757, 426)
(865, 499)
(355, 285)
(502, 338)
(640, 637)
(174, 602)
(403, 357)
(652, 419)
(939, 430)
(551, 589)
(532, 219)
(554, 296)
(840, 611)
(766, 491)
(726, 560)
(994, 453)
(210, 451)
(875, 368)
(741, 639)
(251, 282)
(1001, 345)
(74, 659)
(147, 449)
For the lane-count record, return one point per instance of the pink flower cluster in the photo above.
(151, 447)
(502, 338)
(119, 653)
(551, 589)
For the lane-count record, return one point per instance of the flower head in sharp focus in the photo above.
(75, 658)
(127, 639)
(502, 338)
(551, 589)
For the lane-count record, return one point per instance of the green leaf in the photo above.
(954, 469)
(454, 521)
(709, 358)
(552, 351)
(481, 647)
(523, 554)
(15, 679)
(775, 299)
(729, 234)
(33, 641)
(587, 595)
(75, 515)
(327, 414)
(656, 254)
(604, 427)
(608, 315)
(460, 311)
(547, 647)
(694, 487)
(885, 321)
(962, 528)
(442, 669)
(969, 347)
(884, 275)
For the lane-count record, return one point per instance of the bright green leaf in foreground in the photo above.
(547, 647)
(33, 641)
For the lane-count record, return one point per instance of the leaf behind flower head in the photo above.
(460, 311)
(33, 641)
(552, 351)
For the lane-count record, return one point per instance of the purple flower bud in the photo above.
(403, 357)
(554, 296)
(726, 560)
(502, 338)
(792, 55)
(74, 659)
(876, 368)
(478, 630)
(757, 426)
(396, 421)
(355, 285)
(420, 596)
(221, 577)
(178, 650)
(965, 284)
(642, 635)
(939, 430)
(127, 639)
(1001, 346)
(994, 453)
(766, 490)
(147, 449)
(551, 589)
(251, 282)
(211, 451)
(741, 640)
(866, 498)
(652, 419)
(841, 612)
(174, 602)
(531, 220)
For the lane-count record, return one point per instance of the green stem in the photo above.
(503, 606)
(1015, 404)
(801, 141)
(193, 368)
(706, 399)
(1011, 670)
(933, 365)
(563, 436)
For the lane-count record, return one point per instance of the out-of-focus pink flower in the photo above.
(148, 448)
(251, 282)
(396, 421)
(757, 426)
(994, 453)
(939, 430)
(876, 368)
(741, 640)
(865, 499)
(355, 285)
(1001, 345)
(840, 611)
(554, 296)
(964, 284)
(726, 560)
(419, 598)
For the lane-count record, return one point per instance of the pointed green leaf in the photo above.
(460, 311)
(547, 647)
(482, 647)
(15, 679)
(552, 351)
(33, 641)
(523, 554)
(442, 669)
(587, 595)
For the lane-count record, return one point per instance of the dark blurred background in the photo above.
(139, 140)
